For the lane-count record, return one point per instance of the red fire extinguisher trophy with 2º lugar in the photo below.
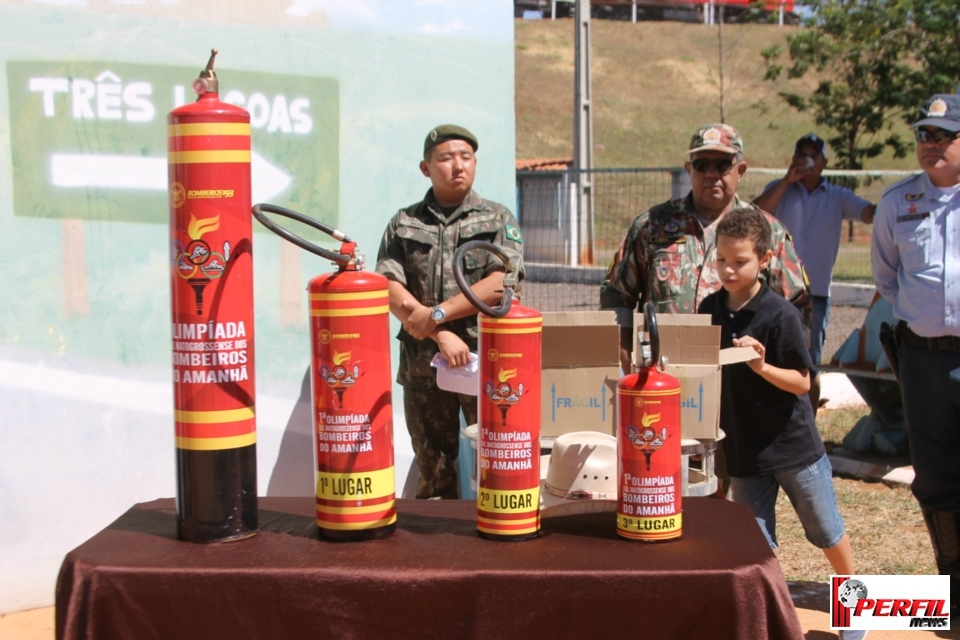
(508, 433)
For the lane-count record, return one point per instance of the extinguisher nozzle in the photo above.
(207, 81)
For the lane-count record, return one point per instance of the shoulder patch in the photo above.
(514, 234)
(912, 197)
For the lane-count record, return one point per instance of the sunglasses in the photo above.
(720, 165)
(940, 136)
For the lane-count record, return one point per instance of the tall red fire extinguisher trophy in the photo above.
(211, 299)
(508, 442)
(351, 389)
(648, 440)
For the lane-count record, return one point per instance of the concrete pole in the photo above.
(634, 15)
(553, 9)
(781, 13)
(583, 131)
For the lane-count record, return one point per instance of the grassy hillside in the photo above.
(653, 84)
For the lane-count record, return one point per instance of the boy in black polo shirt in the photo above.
(771, 437)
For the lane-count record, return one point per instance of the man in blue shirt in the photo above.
(916, 266)
(813, 210)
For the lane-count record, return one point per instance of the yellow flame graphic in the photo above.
(340, 358)
(649, 418)
(506, 374)
(197, 228)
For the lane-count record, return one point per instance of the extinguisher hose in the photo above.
(340, 258)
(650, 320)
(509, 279)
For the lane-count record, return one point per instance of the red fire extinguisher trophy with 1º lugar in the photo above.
(351, 384)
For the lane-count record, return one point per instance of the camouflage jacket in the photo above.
(668, 258)
(417, 251)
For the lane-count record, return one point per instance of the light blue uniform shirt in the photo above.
(815, 220)
(916, 255)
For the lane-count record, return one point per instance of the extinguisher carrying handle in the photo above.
(339, 258)
(509, 278)
(650, 325)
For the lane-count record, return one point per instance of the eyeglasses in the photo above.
(720, 165)
(939, 136)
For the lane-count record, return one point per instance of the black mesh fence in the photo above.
(566, 253)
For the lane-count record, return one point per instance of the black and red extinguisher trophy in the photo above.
(211, 295)
(351, 389)
(508, 433)
(648, 440)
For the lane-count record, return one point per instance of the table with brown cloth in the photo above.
(434, 578)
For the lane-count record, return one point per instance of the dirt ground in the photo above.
(843, 320)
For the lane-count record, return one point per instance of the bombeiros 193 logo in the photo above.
(890, 602)
(178, 195)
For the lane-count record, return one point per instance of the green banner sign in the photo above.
(89, 138)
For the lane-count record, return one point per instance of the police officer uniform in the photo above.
(916, 266)
(417, 251)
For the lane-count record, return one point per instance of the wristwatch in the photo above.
(438, 315)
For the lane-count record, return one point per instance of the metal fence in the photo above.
(566, 253)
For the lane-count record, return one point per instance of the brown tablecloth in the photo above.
(433, 579)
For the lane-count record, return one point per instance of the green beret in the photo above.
(449, 132)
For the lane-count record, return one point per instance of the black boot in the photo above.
(944, 529)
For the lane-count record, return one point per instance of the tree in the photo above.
(937, 46)
(862, 54)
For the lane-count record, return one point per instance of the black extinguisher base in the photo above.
(359, 535)
(210, 534)
(217, 494)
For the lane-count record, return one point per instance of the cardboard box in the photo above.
(581, 367)
(692, 348)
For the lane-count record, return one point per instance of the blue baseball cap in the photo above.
(812, 140)
(942, 111)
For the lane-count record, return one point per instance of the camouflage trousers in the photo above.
(433, 421)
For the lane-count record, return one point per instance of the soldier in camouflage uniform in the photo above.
(668, 256)
(416, 255)
(669, 253)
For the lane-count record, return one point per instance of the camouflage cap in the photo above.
(449, 132)
(716, 137)
(941, 110)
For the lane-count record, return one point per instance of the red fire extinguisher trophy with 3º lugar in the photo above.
(648, 439)
(351, 389)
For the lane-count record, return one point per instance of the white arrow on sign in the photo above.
(137, 172)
